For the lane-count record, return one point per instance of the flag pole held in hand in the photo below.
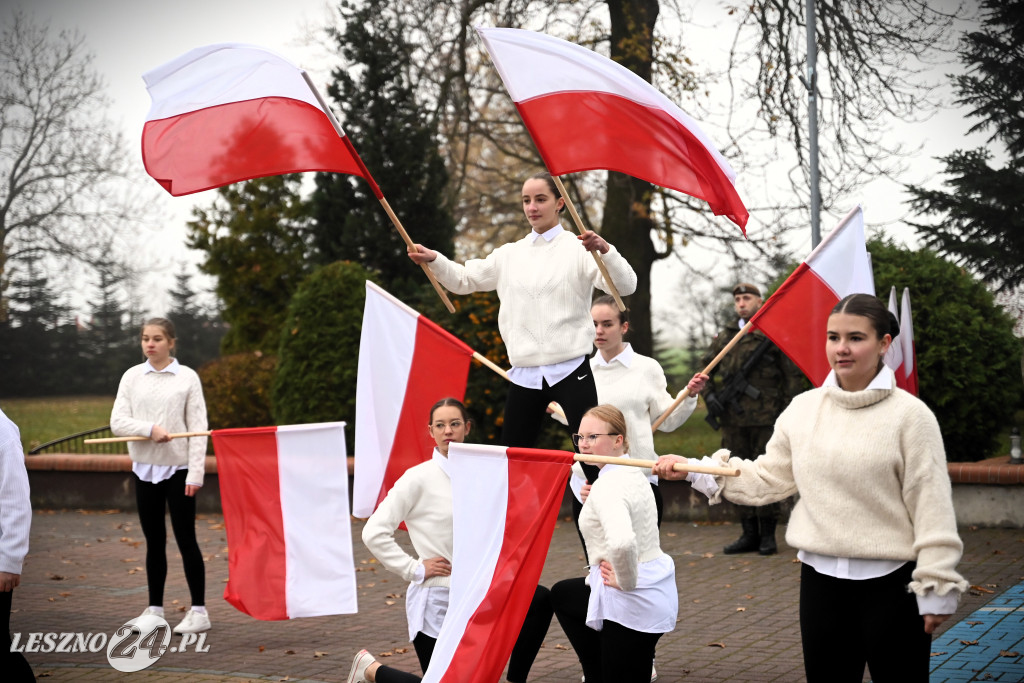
(678, 467)
(121, 439)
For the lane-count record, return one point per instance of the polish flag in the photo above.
(230, 112)
(406, 365)
(505, 503)
(796, 315)
(894, 356)
(907, 342)
(284, 491)
(586, 112)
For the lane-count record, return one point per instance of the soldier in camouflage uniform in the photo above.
(746, 406)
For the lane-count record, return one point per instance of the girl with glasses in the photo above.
(615, 616)
(422, 498)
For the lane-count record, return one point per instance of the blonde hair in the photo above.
(614, 418)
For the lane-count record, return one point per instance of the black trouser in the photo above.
(615, 654)
(14, 666)
(526, 409)
(152, 500)
(845, 624)
(749, 443)
(531, 637)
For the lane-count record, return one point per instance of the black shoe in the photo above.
(767, 546)
(748, 542)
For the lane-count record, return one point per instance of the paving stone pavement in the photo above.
(737, 616)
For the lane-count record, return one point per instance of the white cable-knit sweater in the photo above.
(619, 522)
(173, 401)
(870, 469)
(640, 392)
(545, 290)
(422, 498)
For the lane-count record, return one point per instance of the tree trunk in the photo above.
(626, 222)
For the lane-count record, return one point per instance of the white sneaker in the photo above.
(149, 611)
(362, 660)
(654, 673)
(194, 622)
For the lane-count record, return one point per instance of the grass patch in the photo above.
(695, 438)
(44, 419)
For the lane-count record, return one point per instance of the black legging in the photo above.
(845, 624)
(531, 637)
(152, 500)
(615, 654)
(13, 664)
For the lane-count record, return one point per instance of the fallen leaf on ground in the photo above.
(983, 590)
(289, 652)
(56, 577)
(262, 648)
(969, 642)
(722, 645)
(1007, 653)
(975, 623)
(559, 646)
(741, 609)
(319, 655)
(936, 654)
(389, 602)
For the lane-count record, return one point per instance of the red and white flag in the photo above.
(505, 503)
(796, 315)
(406, 365)
(586, 112)
(284, 491)
(894, 356)
(909, 349)
(230, 112)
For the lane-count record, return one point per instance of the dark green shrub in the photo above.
(319, 347)
(237, 390)
(968, 358)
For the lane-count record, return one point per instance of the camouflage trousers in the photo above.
(749, 443)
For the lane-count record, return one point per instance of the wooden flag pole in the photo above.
(121, 439)
(597, 257)
(377, 193)
(678, 467)
(711, 366)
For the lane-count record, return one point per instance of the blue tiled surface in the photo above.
(997, 627)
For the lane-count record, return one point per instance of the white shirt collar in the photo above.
(611, 466)
(625, 356)
(883, 380)
(548, 235)
(440, 459)
(172, 368)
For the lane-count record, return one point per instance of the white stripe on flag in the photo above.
(479, 477)
(844, 264)
(313, 475)
(386, 347)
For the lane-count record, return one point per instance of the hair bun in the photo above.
(894, 325)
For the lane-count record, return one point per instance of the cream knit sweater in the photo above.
(545, 290)
(422, 498)
(870, 469)
(619, 522)
(640, 392)
(173, 401)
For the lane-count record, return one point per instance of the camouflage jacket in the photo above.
(775, 376)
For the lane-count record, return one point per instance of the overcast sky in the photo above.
(129, 37)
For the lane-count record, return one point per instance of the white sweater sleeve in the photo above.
(122, 421)
(476, 275)
(379, 530)
(195, 421)
(616, 522)
(621, 272)
(661, 401)
(15, 506)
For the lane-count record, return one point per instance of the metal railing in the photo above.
(75, 443)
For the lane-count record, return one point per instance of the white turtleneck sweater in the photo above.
(870, 469)
(545, 288)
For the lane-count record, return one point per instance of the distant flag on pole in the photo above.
(894, 356)
(586, 112)
(230, 112)
(796, 315)
(284, 491)
(406, 364)
(909, 347)
(505, 503)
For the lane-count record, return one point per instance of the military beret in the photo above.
(745, 288)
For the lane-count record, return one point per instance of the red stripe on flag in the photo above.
(583, 131)
(439, 368)
(240, 141)
(536, 482)
(251, 500)
(796, 318)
